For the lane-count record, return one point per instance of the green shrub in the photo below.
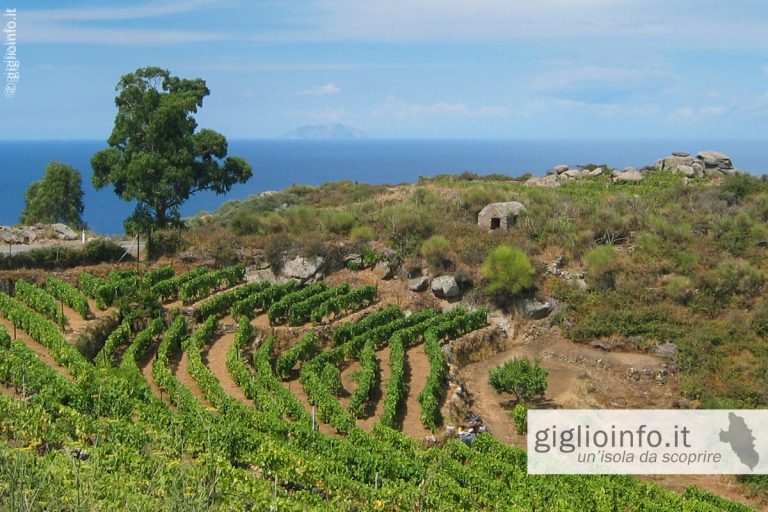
(519, 414)
(508, 271)
(601, 266)
(337, 222)
(735, 188)
(436, 250)
(476, 198)
(361, 234)
(407, 227)
(164, 242)
(760, 320)
(680, 289)
(519, 377)
(245, 222)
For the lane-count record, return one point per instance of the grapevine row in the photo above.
(44, 332)
(40, 300)
(278, 312)
(262, 300)
(71, 296)
(202, 285)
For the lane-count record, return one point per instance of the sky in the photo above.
(403, 68)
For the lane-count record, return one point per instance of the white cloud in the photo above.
(115, 37)
(322, 90)
(655, 22)
(565, 77)
(400, 109)
(134, 12)
(80, 25)
(546, 106)
(689, 112)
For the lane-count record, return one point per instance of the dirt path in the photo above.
(180, 368)
(75, 323)
(146, 370)
(417, 371)
(95, 311)
(582, 377)
(215, 357)
(37, 348)
(377, 399)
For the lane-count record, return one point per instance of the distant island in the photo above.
(335, 131)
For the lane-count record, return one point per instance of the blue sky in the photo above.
(405, 68)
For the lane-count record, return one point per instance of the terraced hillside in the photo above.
(213, 393)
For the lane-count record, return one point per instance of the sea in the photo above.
(280, 163)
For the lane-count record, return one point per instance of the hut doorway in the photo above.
(495, 223)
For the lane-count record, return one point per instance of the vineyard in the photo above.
(157, 420)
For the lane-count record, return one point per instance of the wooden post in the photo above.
(138, 250)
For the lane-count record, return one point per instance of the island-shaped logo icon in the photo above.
(741, 439)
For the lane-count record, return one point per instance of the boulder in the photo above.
(537, 310)
(671, 163)
(445, 287)
(630, 169)
(680, 153)
(261, 275)
(384, 270)
(631, 174)
(572, 173)
(354, 259)
(686, 170)
(579, 283)
(303, 268)
(597, 171)
(713, 159)
(418, 284)
(63, 232)
(543, 181)
(560, 169)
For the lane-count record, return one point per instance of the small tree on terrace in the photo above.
(58, 197)
(155, 156)
(520, 377)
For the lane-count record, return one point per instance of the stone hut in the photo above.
(500, 215)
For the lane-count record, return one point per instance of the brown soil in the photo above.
(37, 348)
(215, 357)
(146, 370)
(180, 368)
(417, 370)
(582, 377)
(377, 399)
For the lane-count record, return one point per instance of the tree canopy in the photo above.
(520, 377)
(57, 197)
(155, 155)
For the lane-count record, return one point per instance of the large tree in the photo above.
(58, 197)
(155, 156)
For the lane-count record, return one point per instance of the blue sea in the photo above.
(281, 163)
